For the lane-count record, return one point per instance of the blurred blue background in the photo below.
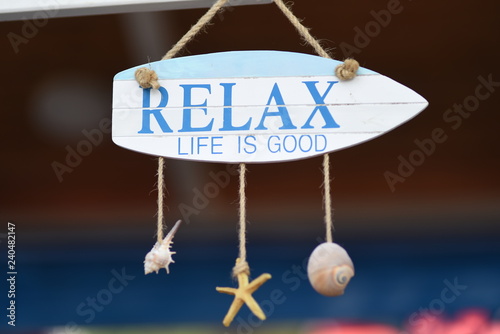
(394, 280)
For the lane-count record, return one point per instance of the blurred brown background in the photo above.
(59, 83)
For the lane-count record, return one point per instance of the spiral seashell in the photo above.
(330, 269)
(161, 256)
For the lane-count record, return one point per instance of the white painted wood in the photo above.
(255, 91)
(39, 9)
(235, 107)
(352, 118)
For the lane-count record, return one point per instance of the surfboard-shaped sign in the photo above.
(255, 107)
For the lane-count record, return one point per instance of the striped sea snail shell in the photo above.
(329, 269)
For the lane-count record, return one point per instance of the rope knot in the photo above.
(241, 267)
(347, 70)
(147, 78)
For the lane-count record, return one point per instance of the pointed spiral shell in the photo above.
(161, 256)
(330, 269)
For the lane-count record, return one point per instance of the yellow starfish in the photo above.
(244, 295)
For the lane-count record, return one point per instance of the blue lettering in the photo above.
(301, 143)
(188, 104)
(214, 144)
(290, 143)
(282, 111)
(179, 147)
(146, 113)
(276, 144)
(251, 147)
(294, 143)
(200, 144)
(316, 143)
(323, 109)
(227, 124)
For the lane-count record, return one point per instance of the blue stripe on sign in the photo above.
(237, 64)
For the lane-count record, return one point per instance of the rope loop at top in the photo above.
(241, 267)
(347, 70)
(147, 78)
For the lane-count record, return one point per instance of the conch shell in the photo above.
(161, 256)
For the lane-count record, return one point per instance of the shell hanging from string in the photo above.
(161, 256)
(330, 269)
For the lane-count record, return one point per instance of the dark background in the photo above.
(441, 223)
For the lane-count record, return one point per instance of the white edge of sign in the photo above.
(36, 9)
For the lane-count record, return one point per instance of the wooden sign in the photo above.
(254, 107)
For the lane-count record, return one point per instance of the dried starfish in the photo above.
(244, 295)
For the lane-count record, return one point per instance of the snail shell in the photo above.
(161, 256)
(329, 269)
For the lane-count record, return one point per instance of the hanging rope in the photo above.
(202, 22)
(327, 198)
(303, 31)
(148, 78)
(161, 196)
(344, 71)
(242, 265)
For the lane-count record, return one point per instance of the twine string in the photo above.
(242, 265)
(147, 78)
(327, 197)
(202, 22)
(161, 196)
(243, 212)
(303, 31)
(345, 71)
